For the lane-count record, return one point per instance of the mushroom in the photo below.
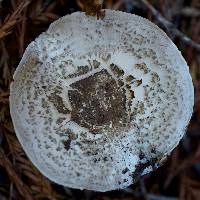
(98, 103)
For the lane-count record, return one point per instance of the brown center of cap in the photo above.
(98, 102)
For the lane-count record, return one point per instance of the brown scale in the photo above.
(58, 103)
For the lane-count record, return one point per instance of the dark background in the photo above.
(20, 23)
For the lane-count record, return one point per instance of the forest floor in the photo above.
(21, 21)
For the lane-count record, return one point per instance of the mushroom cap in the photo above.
(98, 103)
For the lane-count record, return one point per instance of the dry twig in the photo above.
(11, 20)
(169, 26)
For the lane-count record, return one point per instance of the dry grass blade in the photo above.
(182, 166)
(4, 97)
(189, 189)
(7, 76)
(11, 20)
(21, 187)
(40, 186)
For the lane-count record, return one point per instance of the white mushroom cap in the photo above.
(97, 103)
